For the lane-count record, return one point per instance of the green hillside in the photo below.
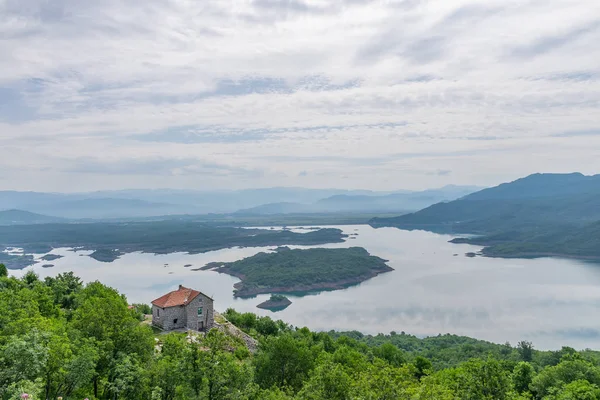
(543, 214)
(62, 339)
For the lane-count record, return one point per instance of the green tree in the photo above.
(522, 377)
(327, 381)
(225, 377)
(391, 354)
(482, 380)
(422, 366)
(283, 361)
(3, 271)
(570, 369)
(577, 390)
(525, 349)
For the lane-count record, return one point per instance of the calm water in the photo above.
(552, 302)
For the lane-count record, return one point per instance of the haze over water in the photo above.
(552, 302)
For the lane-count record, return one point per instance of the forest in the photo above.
(63, 339)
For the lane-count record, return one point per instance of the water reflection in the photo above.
(552, 302)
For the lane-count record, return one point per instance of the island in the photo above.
(47, 265)
(16, 261)
(106, 255)
(277, 302)
(302, 270)
(51, 257)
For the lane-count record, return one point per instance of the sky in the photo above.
(362, 94)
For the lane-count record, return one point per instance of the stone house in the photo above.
(183, 308)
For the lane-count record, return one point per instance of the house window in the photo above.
(175, 321)
(199, 311)
(157, 312)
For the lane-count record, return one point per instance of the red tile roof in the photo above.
(179, 297)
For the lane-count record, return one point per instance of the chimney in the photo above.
(180, 287)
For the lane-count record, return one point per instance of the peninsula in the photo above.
(158, 237)
(299, 270)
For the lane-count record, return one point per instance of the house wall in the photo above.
(165, 317)
(207, 317)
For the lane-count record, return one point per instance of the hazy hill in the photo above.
(156, 202)
(536, 199)
(20, 217)
(543, 213)
(372, 202)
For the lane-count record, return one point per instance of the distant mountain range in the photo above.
(542, 214)
(394, 202)
(149, 203)
(19, 217)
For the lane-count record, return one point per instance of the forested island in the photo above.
(108, 241)
(276, 302)
(287, 271)
(62, 339)
(541, 215)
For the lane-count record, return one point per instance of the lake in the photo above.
(551, 302)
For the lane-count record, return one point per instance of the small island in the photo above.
(51, 257)
(47, 265)
(106, 255)
(302, 270)
(277, 302)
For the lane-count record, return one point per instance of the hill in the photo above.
(65, 339)
(542, 214)
(369, 202)
(156, 202)
(20, 217)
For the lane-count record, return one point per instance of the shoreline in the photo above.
(241, 292)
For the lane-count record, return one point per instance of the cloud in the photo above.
(553, 42)
(286, 92)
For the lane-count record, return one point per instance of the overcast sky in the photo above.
(390, 94)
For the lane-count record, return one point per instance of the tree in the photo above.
(3, 271)
(382, 381)
(283, 361)
(391, 354)
(522, 377)
(482, 380)
(65, 287)
(327, 381)
(570, 369)
(578, 390)
(525, 350)
(422, 366)
(225, 377)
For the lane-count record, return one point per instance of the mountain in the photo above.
(536, 215)
(157, 202)
(20, 217)
(372, 202)
(109, 208)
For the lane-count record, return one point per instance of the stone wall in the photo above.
(207, 317)
(165, 317)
